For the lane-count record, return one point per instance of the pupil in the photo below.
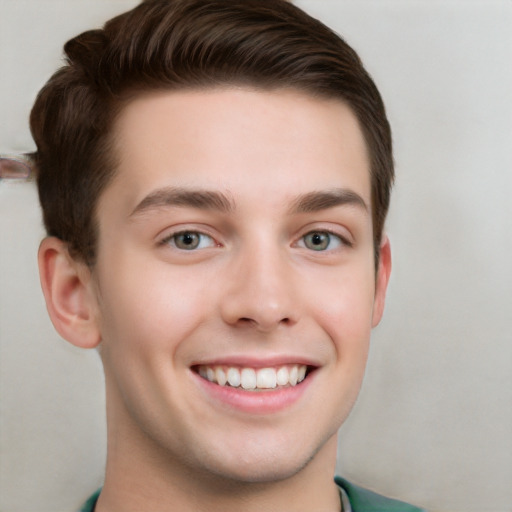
(318, 239)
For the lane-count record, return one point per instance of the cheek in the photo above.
(345, 304)
(150, 308)
(146, 315)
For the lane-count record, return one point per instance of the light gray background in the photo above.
(433, 424)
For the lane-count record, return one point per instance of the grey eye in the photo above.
(187, 240)
(317, 240)
(190, 240)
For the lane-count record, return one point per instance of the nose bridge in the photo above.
(261, 292)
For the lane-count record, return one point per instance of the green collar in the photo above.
(361, 500)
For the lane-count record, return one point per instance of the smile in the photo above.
(253, 379)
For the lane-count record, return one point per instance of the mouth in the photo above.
(254, 379)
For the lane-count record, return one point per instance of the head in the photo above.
(184, 45)
(214, 176)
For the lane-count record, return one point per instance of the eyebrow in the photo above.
(217, 201)
(193, 198)
(322, 200)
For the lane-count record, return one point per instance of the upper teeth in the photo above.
(250, 378)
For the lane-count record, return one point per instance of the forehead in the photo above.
(239, 139)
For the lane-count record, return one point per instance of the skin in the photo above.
(254, 292)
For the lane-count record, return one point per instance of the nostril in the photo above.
(253, 322)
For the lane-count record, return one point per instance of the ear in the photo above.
(382, 280)
(67, 289)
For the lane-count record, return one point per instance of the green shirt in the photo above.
(360, 500)
(363, 500)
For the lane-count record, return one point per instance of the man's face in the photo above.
(235, 281)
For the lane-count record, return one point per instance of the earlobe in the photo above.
(67, 291)
(382, 281)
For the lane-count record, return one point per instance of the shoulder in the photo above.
(363, 500)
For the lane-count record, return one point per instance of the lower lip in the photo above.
(254, 402)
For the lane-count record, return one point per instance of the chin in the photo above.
(260, 466)
(263, 473)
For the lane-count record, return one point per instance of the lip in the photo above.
(262, 402)
(257, 362)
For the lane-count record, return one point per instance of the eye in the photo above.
(189, 240)
(321, 241)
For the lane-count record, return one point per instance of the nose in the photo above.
(260, 291)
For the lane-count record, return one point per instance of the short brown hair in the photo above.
(185, 44)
